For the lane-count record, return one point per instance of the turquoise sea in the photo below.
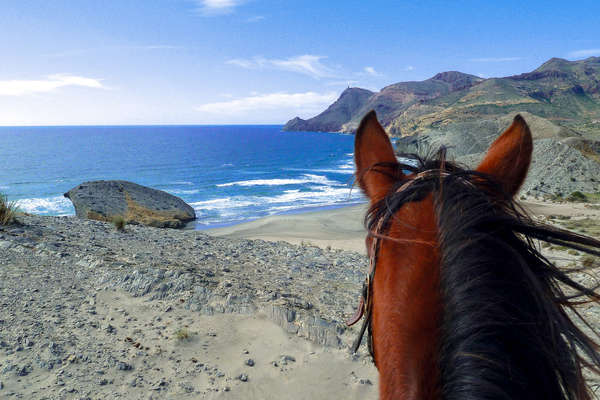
(229, 174)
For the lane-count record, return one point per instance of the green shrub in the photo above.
(577, 196)
(182, 334)
(119, 222)
(8, 211)
(590, 261)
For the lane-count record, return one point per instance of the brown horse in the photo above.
(461, 304)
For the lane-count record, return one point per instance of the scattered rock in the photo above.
(24, 370)
(123, 366)
(108, 328)
(187, 387)
(161, 384)
(285, 359)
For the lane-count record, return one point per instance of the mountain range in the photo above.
(560, 101)
(566, 93)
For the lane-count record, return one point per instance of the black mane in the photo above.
(506, 330)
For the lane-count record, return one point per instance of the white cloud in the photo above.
(495, 59)
(584, 53)
(306, 64)
(409, 68)
(270, 107)
(347, 83)
(52, 82)
(249, 64)
(371, 71)
(218, 7)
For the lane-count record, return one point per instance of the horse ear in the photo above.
(374, 156)
(508, 158)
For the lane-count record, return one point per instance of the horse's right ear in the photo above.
(508, 158)
(376, 164)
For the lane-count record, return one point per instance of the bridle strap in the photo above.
(365, 301)
(365, 304)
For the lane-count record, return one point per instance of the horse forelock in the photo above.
(503, 331)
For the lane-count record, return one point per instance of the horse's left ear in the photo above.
(375, 159)
(508, 158)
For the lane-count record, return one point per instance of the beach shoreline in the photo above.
(339, 228)
(343, 228)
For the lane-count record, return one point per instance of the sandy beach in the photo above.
(343, 228)
(340, 228)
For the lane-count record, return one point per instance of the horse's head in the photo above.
(446, 245)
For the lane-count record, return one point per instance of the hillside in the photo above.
(567, 93)
(560, 100)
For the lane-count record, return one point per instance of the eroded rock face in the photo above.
(137, 204)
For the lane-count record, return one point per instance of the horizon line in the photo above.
(119, 125)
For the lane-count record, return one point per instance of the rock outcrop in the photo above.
(351, 100)
(137, 204)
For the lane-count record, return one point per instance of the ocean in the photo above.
(229, 174)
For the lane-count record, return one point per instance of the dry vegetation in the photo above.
(8, 211)
(119, 222)
(587, 226)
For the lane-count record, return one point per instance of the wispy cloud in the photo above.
(256, 18)
(308, 102)
(306, 64)
(584, 53)
(149, 47)
(350, 82)
(154, 47)
(409, 68)
(494, 59)
(371, 71)
(217, 7)
(51, 83)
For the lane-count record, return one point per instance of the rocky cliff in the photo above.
(350, 102)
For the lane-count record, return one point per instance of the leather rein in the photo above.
(365, 302)
(365, 305)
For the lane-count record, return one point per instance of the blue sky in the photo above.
(258, 61)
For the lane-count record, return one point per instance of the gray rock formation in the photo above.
(105, 200)
(556, 169)
(332, 119)
(563, 161)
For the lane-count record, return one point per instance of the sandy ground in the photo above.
(87, 312)
(340, 228)
(283, 365)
